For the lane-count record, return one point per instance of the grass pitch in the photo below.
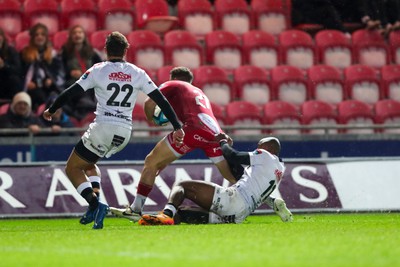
(311, 240)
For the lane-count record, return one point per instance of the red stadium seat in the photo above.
(243, 113)
(362, 83)
(252, 84)
(59, 39)
(21, 40)
(297, 49)
(219, 113)
(215, 84)
(4, 108)
(281, 113)
(273, 16)
(154, 15)
(370, 48)
(163, 74)
(139, 120)
(196, 16)
(146, 49)
(116, 15)
(334, 48)
(79, 12)
(394, 45)
(260, 49)
(289, 84)
(315, 112)
(390, 78)
(97, 40)
(356, 113)
(387, 112)
(233, 16)
(326, 84)
(224, 50)
(182, 49)
(11, 17)
(43, 11)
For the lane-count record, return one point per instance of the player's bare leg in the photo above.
(160, 157)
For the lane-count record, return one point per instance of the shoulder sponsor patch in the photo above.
(257, 151)
(85, 75)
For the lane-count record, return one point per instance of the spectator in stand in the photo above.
(59, 120)
(77, 56)
(20, 115)
(317, 12)
(41, 67)
(10, 68)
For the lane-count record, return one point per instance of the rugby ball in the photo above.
(159, 117)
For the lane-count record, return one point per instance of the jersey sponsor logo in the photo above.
(119, 76)
(85, 75)
(200, 138)
(121, 116)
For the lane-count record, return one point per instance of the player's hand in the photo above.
(222, 136)
(178, 136)
(47, 115)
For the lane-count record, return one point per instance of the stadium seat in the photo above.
(390, 78)
(223, 49)
(233, 16)
(98, 40)
(196, 16)
(326, 84)
(43, 11)
(163, 74)
(11, 17)
(272, 16)
(182, 49)
(252, 84)
(361, 83)
(394, 45)
(297, 49)
(59, 39)
(4, 108)
(243, 113)
(116, 15)
(146, 49)
(369, 48)
(21, 40)
(79, 12)
(282, 114)
(289, 84)
(315, 112)
(139, 120)
(219, 113)
(387, 112)
(260, 49)
(356, 113)
(334, 48)
(154, 15)
(215, 84)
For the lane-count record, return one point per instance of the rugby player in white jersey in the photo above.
(116, 84)
(231, 204)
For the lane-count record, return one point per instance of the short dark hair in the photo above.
(181, 74)
(116, 43)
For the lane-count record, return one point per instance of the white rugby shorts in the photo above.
(105, 139)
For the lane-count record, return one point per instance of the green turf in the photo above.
(311, 240)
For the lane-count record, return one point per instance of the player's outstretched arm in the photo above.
(62, 98)
(230, 154)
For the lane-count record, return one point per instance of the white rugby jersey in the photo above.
(260, 178)
(116, 85)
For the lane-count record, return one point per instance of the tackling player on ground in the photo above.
(116, 84)
(232, 204)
